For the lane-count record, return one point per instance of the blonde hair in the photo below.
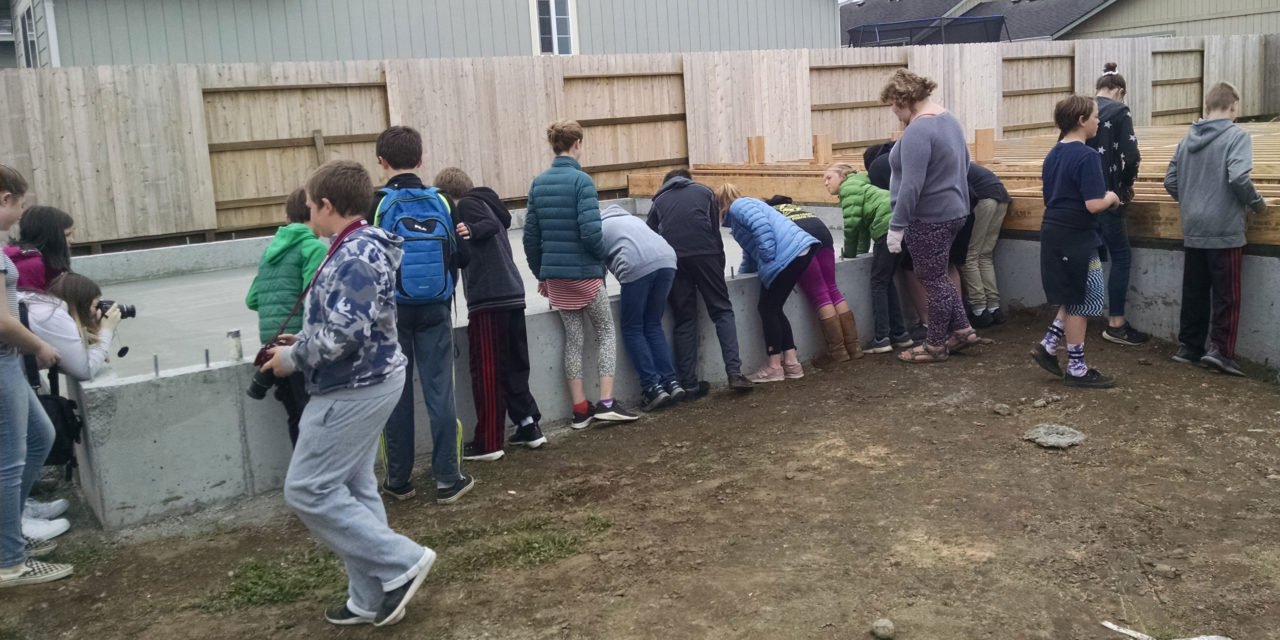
(1221, 97)
(905, 89)
(562, 134)
(842, 168)
(726, 195)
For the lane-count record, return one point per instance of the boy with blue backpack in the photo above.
(422, 217)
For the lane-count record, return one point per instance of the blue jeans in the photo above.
(426, 337)
(26, 435)
(1116, 238)
(643, 303)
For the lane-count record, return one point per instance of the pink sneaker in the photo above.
(768, 374)
(793, 371)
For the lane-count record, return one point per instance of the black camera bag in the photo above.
(63, 412)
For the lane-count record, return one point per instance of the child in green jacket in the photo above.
(866, 222)
(286, 268)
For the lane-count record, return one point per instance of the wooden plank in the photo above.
(1155, 220)
(274, 87)
(858, 144)
(641, 164)
(1175, 112)
(833, 106)
(1032, 125)
(1064, 56)
(605, 122)
(822, 149)
(606, 76)
(250, 202)
(285, 143)
(864, 65)
(755, 150)
(319, 142)
(984, 145)
(1037, 92)
(1175, 81)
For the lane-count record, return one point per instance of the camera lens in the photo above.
(262, 381)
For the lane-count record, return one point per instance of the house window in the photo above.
(30, 54)
(555, 35)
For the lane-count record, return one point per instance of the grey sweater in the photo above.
(633, 250)
(1209, 176)
(930, 164)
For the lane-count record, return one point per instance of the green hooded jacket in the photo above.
(866, 213)
(286, 268)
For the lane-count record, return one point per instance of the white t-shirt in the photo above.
(50, 321)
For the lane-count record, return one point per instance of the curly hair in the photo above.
(906, 88)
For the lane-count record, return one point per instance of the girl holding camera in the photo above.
(69, 317)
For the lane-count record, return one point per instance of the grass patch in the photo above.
(86, 555)
(314, 574)
(10, 630)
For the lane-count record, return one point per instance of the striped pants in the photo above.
(499, 349)
(1211, 299)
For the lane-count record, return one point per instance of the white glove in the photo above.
(894, 240)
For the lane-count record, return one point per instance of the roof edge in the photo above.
(1078, 21)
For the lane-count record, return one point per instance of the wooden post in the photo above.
(319, 141)
(755, 150)
(984, 145)
(822, 149)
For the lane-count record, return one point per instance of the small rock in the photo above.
(1040, 404)
(883, 629)
(1002, 410)
(1054, 436)
(1144, 361)
(1165, 571)
(791, 475)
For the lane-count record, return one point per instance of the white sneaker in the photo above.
(44, 529)
(33, 572)
(45, 510)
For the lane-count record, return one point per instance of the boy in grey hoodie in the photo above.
(355, 373)
(1209, 176)
(646, 266)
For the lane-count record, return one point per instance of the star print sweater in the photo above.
(1117, 144)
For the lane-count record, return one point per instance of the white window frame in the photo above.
(536, 32)
(24, 31)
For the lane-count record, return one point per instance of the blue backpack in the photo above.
(421, 217)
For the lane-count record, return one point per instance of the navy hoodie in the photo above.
(687, 216)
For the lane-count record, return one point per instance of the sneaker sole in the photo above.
(884, 349)
(615, 417)
(485, 457)
(454, 498)
(1088, 385)
(793, 376)
(41, 579)
(580, 425)
(532, 444)
(348, 622)
(768, 380)
(1121, 341)
(657, 405)
(1220, 367)
(398, 496)
(1184, 360)
(398, 614)
(1039, 357)
(735, 387)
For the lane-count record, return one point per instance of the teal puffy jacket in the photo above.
(562, 235)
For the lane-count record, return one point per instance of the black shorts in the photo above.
(1064, 265)
(959, 248)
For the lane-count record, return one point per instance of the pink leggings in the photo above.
(818, 282)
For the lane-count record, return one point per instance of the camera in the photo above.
(126, 310)
(262, 380)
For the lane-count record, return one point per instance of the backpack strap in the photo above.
(29, 365)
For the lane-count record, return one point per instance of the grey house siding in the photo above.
(659, 26)
(41, 31)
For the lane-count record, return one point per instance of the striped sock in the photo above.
(1075, 360)
(1053, 337)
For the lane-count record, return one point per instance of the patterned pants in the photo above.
(597, 312)
(930, 245)
(1095, 292)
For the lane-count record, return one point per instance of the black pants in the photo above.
(705, 275)
(1211, 285)
(777, 330)
(292, 391)
(499, 348)
(884, 296)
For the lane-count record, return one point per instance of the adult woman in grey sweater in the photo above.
(929, 192)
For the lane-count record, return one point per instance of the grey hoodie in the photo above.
(633, 250)
(1209, 177)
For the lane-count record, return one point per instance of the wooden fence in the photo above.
(184, 153)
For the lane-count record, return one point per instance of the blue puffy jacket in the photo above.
(769, 240)
(562, 236)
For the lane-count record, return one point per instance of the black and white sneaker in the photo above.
(37, 548)
(450, 495)
(737, 382)
(1091, 380)
(1186, 355)
(403, 492)
(614, 413)
(1126, 335)
(655, 398)
(583, 420)
(676, 391)
(1214, 359)
(395, 601)
(340, 615)
(529, 435)
(1046, 360)
(902, 341)
(34, 572)
(880, 345)
(472, 451)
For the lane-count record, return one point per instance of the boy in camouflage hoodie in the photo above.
(355, 373)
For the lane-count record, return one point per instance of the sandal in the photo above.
(922, 354)
(961, 340)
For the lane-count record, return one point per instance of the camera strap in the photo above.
(333, 248)
(29, 364)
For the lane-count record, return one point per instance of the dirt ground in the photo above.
(806, 509)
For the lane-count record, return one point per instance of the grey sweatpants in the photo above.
(332, 487)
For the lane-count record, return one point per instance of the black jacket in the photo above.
(411, 181)
(1118, 144)
(687, 216)
(985, 185)
(491, 279)
(878, 169)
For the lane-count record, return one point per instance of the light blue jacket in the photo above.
(769, 240)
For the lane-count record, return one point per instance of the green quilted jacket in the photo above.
(866, 213)
(286, 268)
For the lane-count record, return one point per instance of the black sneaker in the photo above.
(450, 495)
(583, 420)
(998, 317)
(37, 548)
(395, 601)
(1046, 360)
(655, 398)
(1186, 355)
(919, 332)
(1091, 380)
(529, 435)
(1215, 360)
(902, 341)
(981, 320)
(880, 345)
(473, 452)
(1126, 335)
(340, 615)
(676, 391)
(737, 382)
(614, 413)
(403, 492)
(700, 390)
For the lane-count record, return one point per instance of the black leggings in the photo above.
(777, 331)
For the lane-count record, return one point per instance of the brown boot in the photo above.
(834, 336)
(849, 328)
